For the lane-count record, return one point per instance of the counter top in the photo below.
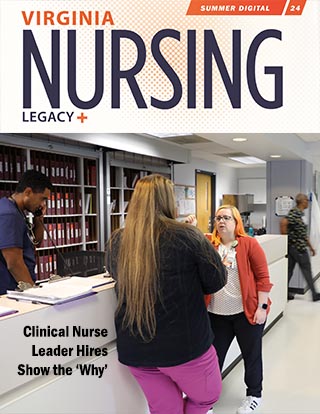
(24, 306)
(92, 312)
(274, 246)
(32, 385)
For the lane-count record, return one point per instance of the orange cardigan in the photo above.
(253, 274)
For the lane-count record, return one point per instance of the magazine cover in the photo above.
(218, 102)
(218, 66)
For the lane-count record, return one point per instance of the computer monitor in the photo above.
(81, 263)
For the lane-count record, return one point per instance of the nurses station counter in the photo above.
(81, 378)
(74, 368)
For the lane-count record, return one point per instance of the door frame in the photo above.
(213, 192)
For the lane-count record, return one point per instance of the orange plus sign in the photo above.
(82, 117)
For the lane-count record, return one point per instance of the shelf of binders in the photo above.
(13, 163)
(74, 179)
(122, 184)
(59, 246)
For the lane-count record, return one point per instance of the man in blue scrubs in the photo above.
(19, 237)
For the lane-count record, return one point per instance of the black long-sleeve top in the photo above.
(183, 330)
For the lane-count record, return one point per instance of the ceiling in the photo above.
(219, 147)
(214, 147)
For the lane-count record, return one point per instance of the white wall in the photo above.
(226, 181)
(260, 210)
(226, 177)
(258, 172)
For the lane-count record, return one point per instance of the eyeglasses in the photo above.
(224, 218)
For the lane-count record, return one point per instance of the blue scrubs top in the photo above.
(13, 233)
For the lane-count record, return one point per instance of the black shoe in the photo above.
(316, 297)
(291, 296)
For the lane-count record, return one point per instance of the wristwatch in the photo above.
(263, 306)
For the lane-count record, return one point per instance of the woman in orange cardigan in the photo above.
(240, 308)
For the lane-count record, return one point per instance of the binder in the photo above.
(88, 203)
(1, 166)
(53, 171)
(58, 203)
(66, 204)
(134, 181)
(6, 169)
(18, 167)
(54, 293)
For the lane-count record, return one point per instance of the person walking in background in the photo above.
(163, 268)
(18, 237)
(240, 309)
(298, 243)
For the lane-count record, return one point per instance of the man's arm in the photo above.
(284, 226)
(16, 265)
(313, 252)
(38, 229)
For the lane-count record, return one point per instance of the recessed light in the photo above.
(275, 156)
(239, 139)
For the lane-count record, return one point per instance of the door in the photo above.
(205, 200)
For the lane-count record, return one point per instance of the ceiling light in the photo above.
(168, 135)
(248, 160)
(239, 139)
(275, 156)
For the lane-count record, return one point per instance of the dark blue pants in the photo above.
(303, 260)
(249, 338)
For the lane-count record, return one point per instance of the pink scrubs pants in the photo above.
(199, 380)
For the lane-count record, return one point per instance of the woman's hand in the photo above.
(191, 219)
(260, 316)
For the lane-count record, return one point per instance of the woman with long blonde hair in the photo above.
(163, 268)
(240, 309)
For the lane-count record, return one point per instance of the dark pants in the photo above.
(303, 260)
(249, 338)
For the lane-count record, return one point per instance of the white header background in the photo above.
(298, 53)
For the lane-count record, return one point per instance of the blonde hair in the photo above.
(152, 208)
(239, 230)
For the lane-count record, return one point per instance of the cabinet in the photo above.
(255, 186)
(124, 170)
(73, 214)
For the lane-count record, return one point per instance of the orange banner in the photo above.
(295, 7)
(238, 7)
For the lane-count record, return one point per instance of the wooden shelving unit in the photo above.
(123, 171)
(73, 211)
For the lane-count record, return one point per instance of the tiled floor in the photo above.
(291, 355)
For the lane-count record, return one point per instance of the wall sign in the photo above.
(185, 197)
(283, 204)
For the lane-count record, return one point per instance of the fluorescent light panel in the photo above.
(248, 160)
(239, 139)
(168, 135)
